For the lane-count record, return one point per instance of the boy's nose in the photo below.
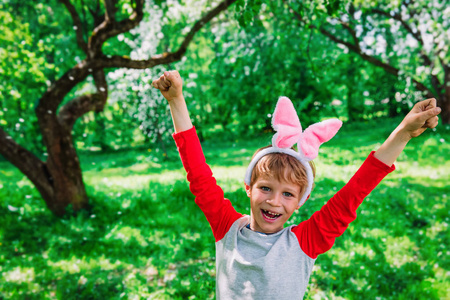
(275, 201)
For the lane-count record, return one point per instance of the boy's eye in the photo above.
(265, 188)
(287, 194)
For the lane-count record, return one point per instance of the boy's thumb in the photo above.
(166, 74)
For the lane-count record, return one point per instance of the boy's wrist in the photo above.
(180, 114)
(176, 100)
(402, 134)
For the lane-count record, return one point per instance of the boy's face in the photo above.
(272, 203)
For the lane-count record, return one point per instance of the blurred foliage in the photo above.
(145, 238)
(234, 70)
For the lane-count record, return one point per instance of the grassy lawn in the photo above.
(145, 238)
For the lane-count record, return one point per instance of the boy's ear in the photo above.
(248, 190)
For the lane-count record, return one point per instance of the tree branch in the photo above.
(124, 62)
(49, 102)
(110, 14)
(418, 36)
(109, 27)
(77, 23)
(98, 18)
(52, 98)
(200, 23)
(79, 106)
(26, 162)
(356, 49)
(388, 68)
(100, 83)
(352, 33)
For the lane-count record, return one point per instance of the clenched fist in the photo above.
(170, 84)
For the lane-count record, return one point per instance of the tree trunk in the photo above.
(445, 106)
(59, 179)
(64, 167)
(445, 97)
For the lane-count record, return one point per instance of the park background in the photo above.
(93, 198)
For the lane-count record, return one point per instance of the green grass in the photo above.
(145, 238)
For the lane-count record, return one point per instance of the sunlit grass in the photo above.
(145, 238)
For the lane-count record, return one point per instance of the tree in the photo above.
(406, 38)
(59, 178)
(252, 67)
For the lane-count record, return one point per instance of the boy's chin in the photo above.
(269, 228)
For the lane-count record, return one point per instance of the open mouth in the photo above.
(269, 216)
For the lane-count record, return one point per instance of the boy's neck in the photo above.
(248, 226)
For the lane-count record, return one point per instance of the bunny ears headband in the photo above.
(289, 131)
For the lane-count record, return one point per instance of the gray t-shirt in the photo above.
(253, 265)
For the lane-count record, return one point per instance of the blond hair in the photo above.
(282, 167)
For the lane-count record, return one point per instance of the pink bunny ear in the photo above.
(317, 134)
(285, 121)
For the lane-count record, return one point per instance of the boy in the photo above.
(256, 257)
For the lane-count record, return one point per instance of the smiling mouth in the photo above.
(270, 216)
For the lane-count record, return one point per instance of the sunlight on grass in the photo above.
(375, 233)
(20, 275)
(126, 233)
(344, 256)
(118, 182)
(81, 265)
(226, 173)
(231, 177)
(425, 175)
(144, 237)
(435, 229)
(400, 250)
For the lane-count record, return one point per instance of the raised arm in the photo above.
(422, 116)
(208, 195)
(171, 86)
(317, 234)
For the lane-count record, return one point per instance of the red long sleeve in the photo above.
(317, 234)
(208, 195)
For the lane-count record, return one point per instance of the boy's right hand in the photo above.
(170, 85)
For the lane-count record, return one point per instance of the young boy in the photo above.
(256, 257)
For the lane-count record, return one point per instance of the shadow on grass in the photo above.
(111, 249)
(154, 242)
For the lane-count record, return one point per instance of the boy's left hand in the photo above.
(422, 116)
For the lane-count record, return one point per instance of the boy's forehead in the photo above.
(267, 178)
(282, 177)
